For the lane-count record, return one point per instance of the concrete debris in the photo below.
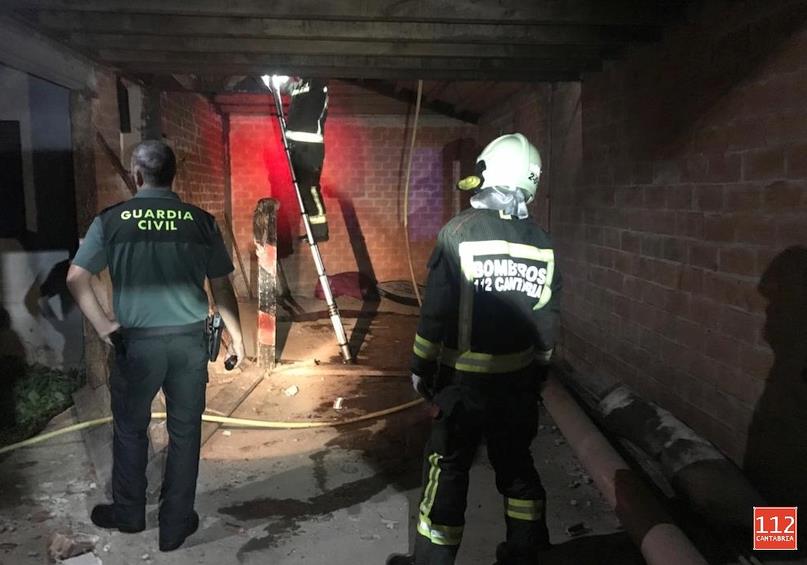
(84, 559)
(80, 487)
(65, 546)
(41, 516)
(337, 404)
(226, 433)
(291, 391)
(577, 530)
(145, 557)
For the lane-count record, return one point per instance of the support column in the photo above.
(264, 229)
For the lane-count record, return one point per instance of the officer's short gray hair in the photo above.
(155, 161)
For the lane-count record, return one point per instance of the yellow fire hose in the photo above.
(240, 422)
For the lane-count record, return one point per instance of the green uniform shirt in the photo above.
(159, 251)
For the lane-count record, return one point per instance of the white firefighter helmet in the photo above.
(510, 161)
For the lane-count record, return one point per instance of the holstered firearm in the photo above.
(214, 327)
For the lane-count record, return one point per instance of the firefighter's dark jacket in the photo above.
(308, 110)
(491, 302)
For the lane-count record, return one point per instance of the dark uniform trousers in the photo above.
(177, 363)
(503, 409)
(307, 159)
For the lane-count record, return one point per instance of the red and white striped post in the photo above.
(264, 229)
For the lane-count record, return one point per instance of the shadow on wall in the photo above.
(371, 300)
(50, 299)
(776, 453)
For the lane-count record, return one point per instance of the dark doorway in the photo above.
(12, 191)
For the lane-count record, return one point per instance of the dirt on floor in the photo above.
(334, 495)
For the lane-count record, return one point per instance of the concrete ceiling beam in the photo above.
(613, 12)
(509, 32)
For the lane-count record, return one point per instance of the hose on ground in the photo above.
(238, 422)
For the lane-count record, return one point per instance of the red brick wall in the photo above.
(193, 128)
(363, 186)
(694, 183)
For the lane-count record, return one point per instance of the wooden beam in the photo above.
(410, 96)
(170, 66)
(199, 44)
(172, 26)
(115, 161)
(270, 62)
(612, 12)
(27, 50)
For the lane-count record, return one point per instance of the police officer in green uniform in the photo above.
(159, 251)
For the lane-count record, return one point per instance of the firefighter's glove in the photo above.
(541, 368)
(423, 386)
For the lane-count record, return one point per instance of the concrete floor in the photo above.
(335, 495)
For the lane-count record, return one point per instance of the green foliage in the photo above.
(39, 394)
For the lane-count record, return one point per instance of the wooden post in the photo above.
(264, 229)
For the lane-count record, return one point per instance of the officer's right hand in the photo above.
(106, 333)
(237, 349)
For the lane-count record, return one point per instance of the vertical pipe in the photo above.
(550, 184)
(264, 231)
(406, 194)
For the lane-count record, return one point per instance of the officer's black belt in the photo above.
(186, 329)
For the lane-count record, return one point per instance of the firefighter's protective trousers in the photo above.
(307, 159)
(502, 409)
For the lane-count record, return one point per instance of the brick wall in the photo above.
(194, 130)
(682, 238)
(363, 186)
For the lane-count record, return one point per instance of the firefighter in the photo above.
(305, 129)
(159, 251)
(485, 336)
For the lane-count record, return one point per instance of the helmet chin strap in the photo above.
(510, 201)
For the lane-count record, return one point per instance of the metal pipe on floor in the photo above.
(660, 541)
